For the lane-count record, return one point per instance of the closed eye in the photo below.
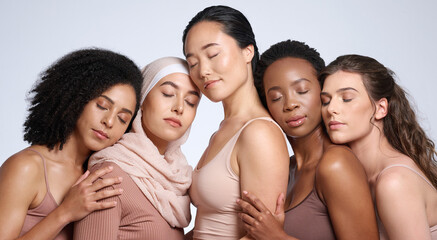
(302, 92)
(101, 107)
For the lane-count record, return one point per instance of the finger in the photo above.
(100, 172)
(82, 177)
(280, 204)
(247, 218)
(105, 182)
(258, 204)
(248, 208)
(105, 205)
(107, 194)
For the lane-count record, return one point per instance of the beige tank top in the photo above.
(382, 232)
(214, 191)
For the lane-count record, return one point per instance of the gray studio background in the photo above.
(400, 34)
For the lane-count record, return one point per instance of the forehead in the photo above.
(179, 81)
(342, 79)
(291, 69)
(204, 33)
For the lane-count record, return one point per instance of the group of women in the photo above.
(105, 146)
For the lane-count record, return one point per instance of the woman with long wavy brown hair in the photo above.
(364, 107)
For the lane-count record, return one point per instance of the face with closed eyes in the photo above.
(347, 109)
(169, 108)
(105, 118)
(293, 95)
(218, 66)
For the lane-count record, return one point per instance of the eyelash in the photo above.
(302, 92)
(101, 107)
(167, 95)
(121, 120)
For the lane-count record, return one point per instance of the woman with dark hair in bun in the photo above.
(83, 103)
(249, 151)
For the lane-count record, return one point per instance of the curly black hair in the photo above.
(62, 91)
(281, 50)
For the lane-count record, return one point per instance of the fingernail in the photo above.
(110, 167)
(120, 179)
(238, 200)
(244, 192)
(120, 190)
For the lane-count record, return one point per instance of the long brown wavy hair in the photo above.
(400, 127)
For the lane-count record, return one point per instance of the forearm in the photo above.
(49, 227)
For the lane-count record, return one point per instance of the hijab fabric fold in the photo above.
(164, 180)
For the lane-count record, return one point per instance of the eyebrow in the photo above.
(112, 102)
(294, 83)
(202, 48)
(340, 90)
(177, 87)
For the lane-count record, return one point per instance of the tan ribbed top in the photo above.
(134, 217)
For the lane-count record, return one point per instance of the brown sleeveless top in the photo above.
(48, 204)
(310, 218)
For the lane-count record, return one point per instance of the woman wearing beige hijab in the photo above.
(156, 175)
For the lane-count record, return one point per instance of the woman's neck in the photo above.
(309, 149)
(243, 102)
(374, 152)
(73, 153)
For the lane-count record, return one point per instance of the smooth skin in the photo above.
(22, 181)
(167, 113)
(222, 71)
(293, 99)
(406, 204)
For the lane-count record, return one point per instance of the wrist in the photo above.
(62, 215)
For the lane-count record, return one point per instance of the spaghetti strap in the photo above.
(408, 167)
(45, 169)
(267, 119)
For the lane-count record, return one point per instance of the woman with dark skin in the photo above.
(364, 107)
(83, 103)
(328, 196)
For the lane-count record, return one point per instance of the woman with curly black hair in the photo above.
(83, 103)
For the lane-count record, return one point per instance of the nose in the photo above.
(204, 70)
(108, 119)
(290, 104)
(332, 107)
(178, 106)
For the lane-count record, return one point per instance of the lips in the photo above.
(334, 125)
(174, 122)
(101, 134)
(296, 121)
(209, 84)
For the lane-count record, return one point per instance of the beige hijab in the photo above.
(164, 180)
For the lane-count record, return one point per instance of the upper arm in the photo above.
(102, 224)
(19, 178)
(342, 182)
(263, 161)
(401, 205)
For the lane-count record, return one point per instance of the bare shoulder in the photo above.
(24, 165)
(260, 132)
(396, 182)
(338, 159)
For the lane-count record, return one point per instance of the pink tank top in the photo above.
(214, 191)
(382, 232)
(48, 204)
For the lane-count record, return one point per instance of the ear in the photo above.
(381, 108)
(248, 53)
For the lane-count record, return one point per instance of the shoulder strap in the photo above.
(45, 169)
(408, 167)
